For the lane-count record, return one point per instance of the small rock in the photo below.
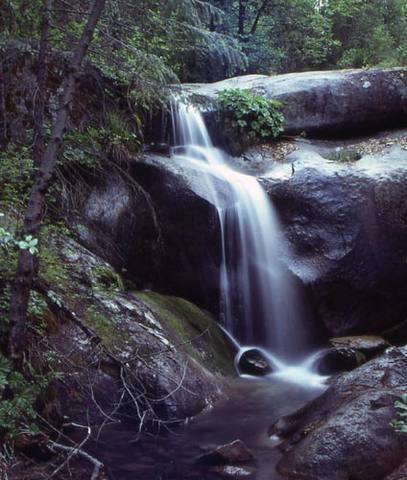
(231, 453)
(336, 360)
(370, 345)
(163, 148)
(254, 362)
(232, 472)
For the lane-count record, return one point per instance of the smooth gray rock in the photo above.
(347, 228)
(158, 225)
(347, 433)
(326, 102)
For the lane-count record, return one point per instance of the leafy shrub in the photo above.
(250, 118)
(17, 411)
(400, 424)
(116, 137)
(15, 174)
(7, 240)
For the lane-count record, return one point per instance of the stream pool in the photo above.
(251, 407)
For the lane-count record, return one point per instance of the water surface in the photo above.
(251, 407)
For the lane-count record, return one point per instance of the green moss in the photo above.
(193, 330)
(104, 327)
(107, 279)
(15, 175)
(344, 156)
(51, 268)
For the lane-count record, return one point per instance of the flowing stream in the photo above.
(260, 303)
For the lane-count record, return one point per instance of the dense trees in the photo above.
(293, 35)
(155, 41)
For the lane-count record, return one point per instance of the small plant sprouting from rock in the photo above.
(27, 243)
(400, 423)
(251, 117)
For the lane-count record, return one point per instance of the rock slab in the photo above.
(326, 102)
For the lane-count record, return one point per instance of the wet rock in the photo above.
(233, 472)
(158, 225)
(161, 148)
(123, 345)
(329, 102)
(347, 226)
(336, 360)
(232, 453)
(254, 362)
(347, 432)
(369, 345)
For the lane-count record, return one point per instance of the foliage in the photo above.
(400, 424)
(107, 279)
(8, 240)
(306, 34)
(18, 396)
(15, 174)
(369, 33)
(251, 116)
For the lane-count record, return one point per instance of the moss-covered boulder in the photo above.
(122, 355)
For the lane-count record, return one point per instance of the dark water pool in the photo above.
(253, 405)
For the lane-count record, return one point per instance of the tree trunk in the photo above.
(260, 12)
(242, 16)
(33, 217)
(3, 114)
(42, 76)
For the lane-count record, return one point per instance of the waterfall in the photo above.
(259, 298)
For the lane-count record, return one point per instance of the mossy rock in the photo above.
(192, 330)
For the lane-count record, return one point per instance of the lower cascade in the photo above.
(260, 302)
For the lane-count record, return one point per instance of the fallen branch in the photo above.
(77, 450)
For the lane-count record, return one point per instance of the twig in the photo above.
(77, 450)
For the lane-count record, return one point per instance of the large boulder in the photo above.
(347, 432)
(347, 226)
(124, 355)
(157, 224)
(320, 103)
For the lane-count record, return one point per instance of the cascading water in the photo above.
(260, 302)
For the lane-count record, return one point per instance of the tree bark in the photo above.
(260, 12)
(42, 76)
(33, 216)
(242, 16)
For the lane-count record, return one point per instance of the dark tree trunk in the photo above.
(242, 16)
(42, 76)
(33, 217)
(259, 13)
(3, 114)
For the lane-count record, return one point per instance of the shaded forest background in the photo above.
(157, 41)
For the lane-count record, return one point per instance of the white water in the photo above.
(260, 302)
